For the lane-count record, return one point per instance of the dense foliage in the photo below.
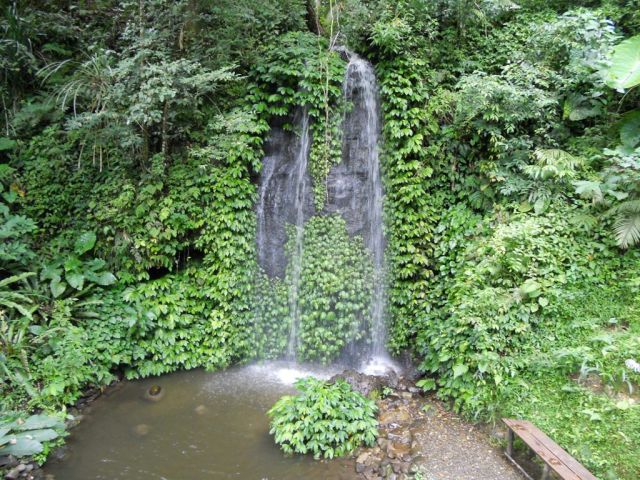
(334, 293)
(130, 147)
(326, 419)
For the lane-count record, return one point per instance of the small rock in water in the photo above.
(8, 462)
(15, 472)
(154, 393)
(200, 410)
(142, 429)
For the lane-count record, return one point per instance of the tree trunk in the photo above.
(313, 20)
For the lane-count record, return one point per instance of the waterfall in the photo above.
(354, 191)
(301, 189)
(265, 253)
(360, 89)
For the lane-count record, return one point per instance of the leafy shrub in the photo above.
(25, 437)
(506, 291)
(327, 420)
(334, 295)
(335, 290)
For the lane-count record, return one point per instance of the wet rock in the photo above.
(398, 450)
(8, 462)
(388, 473)
(74, 421)
(363, 460)
(15, 472)
(154, 393)
(400, 435)
(363, 457)
(395, 416)
(417, 463)
(371, 474)
(59, 453)
(277, 195)
(360, 382)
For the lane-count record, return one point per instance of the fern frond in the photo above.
(553, 163)
(627, 223)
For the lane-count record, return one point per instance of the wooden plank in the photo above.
(525, 430)
(554, 448)
(564, 456)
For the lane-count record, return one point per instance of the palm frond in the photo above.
(627, 223)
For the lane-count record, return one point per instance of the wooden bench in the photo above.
(554, 457)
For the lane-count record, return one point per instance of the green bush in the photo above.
(326, 419)
(25, 437)
(334, 295)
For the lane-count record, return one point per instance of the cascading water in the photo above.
(361, 90)
(354, 191)
(301, 189)
(265, 254)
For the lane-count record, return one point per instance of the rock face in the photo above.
(366, 384)
(277, 196)
(354, 189)
(353, 186)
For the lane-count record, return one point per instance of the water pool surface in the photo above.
(205, 426)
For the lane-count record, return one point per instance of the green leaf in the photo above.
(530, 289)
(630, 129)
(76, 280)
(624, 71)
(57, 287)
(105, 278)
(21, 447)
(50, 272)
(459, 370)
(6, 144)
(427, 384)
(85, 242)
(41, 435)
(72, 263)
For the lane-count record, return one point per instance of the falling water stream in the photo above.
(301, 190)
(354, 191)
(361, 78)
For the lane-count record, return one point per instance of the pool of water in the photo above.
(204, 426)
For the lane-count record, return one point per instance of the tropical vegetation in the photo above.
(131, 142)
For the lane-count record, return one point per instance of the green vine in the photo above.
(334, 295)
(300, 71)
